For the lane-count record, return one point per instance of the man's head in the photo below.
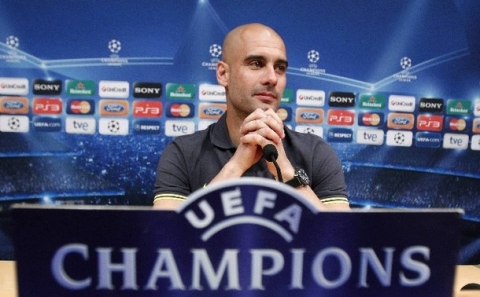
(253, 68)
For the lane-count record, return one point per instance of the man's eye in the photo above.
(256, 64)
(281, 68)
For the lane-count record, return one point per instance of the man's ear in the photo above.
(222, 73)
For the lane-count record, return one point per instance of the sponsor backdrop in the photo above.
(92, 91)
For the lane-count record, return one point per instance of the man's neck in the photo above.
(234, 122)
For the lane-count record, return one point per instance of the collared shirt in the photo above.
(190, 162)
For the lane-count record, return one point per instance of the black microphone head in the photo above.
(270, 152)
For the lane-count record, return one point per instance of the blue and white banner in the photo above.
(245, 237)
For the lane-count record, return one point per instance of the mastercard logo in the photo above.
(180, 110)
(457, 124)
(370, 119)
(80, 107)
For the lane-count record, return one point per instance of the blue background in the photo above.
(360, 46)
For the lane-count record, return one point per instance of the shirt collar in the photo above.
(219, 134)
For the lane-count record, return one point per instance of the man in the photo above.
(253, 72)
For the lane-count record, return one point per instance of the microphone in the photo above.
(270, 154)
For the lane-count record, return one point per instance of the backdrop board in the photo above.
(245, 237)
(92, 91)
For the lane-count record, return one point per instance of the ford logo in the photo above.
(213, 111)
(13, 105)
(310, 116)
(401, 121)
(114, 108)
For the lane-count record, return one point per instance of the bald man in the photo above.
(253, 72)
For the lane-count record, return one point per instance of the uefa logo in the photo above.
(313, 56)
(114, 46)
(215, 50)
(404, 75)
(12, 42)
(405, 63)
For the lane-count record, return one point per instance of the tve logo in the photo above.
(340, 117)
(430, 123)
(113, 89)
(401, 103)
(310, 97)
(370, 136)
(47, 106)
(455, 141)
(147, 109)
(178, 128)
(80, 125)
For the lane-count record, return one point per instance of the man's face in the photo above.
(257, 72)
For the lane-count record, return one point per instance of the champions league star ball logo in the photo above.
(12, 42)
(113, 126)
(405, 75)
(313, 56)
(405, 63)
(215, 50)
(114, 46)
(399, 138)
(14, 124)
